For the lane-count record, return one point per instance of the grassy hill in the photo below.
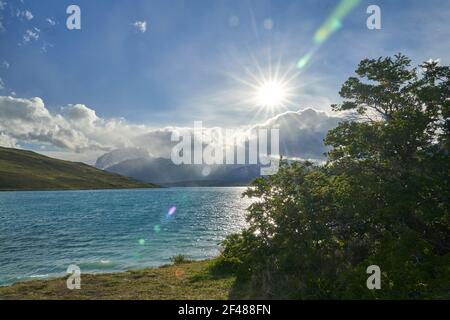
(27, 170)
(187, 280)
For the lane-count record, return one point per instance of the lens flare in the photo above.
(206, 171)
(334, 21)
(179, 273)
(330, 26)
(171, 211)
(141, 242)
(304, 60)
(157, 228)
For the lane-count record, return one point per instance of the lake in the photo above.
(43, 232)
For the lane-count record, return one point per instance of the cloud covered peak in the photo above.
(302, 132)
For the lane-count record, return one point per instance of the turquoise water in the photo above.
(42, 233)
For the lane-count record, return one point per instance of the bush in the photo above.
(179, 259)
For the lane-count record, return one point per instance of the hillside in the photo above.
(188, 280)
(27, 170)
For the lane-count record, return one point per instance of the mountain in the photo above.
(301, 135)
(116, 156)
(27, 170)
(165, 172)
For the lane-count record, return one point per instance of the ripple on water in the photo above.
(41, 233)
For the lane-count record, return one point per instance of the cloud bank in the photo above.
(76, 128)
(302, 132)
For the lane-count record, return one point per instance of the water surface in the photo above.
(42, 233)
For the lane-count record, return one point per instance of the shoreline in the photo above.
(123, 188)
(78, 189)
(179, 281)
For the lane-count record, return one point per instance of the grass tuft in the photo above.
(179, 259)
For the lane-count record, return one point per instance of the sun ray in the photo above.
(265, 85)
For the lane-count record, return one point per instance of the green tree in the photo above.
(381, 198)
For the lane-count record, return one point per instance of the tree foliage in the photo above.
(382, 198)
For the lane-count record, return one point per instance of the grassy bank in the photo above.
(187, 280)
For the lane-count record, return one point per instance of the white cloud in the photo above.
(5, 64)
(24, 14)
(302, 132)
(51, 21)
(7, 141)
(79, 114)
(31, 35)
(2, 5)
(28, 15)
(140, 26)
(46, 45)
(2, 84)
(28, 119)
(77, 129)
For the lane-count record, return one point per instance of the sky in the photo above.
(145, 66)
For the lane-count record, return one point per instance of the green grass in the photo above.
(179, 259)
(188, 280)
(27, 170)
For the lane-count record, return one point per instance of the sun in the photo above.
(271, 94)
(265, 90)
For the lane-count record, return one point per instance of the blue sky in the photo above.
(190, 61)
(188, 48)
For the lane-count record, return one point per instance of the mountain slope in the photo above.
(27, 170)
(165, 172)
(116, 156)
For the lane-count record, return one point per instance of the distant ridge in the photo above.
(28, 170)
(164, 172)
